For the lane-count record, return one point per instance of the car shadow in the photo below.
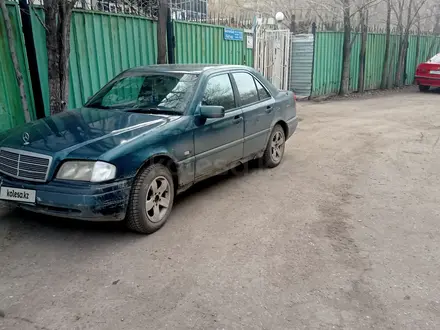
(433, 91)
(204, 186)
(18, 220)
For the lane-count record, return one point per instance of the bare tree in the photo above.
(58, 17)
(363, 17)
(298, 15)
(435, 12)
(349, 9)
(162, 32)
(412, 8)
(386, 59)
(18, 74)
(346, 49)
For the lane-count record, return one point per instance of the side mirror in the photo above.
(212, 111)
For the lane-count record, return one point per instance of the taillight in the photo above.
(294, 97)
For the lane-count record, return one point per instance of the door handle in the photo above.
(269, 109)
(237, 119)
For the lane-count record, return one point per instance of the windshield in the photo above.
(156, 92)
(435, 59)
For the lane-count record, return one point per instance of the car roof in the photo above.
(185, 68)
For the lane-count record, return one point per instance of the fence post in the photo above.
(313, 57)
(170, 38)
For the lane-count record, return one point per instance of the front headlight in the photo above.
(86, 171)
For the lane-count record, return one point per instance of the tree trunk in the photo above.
(386, 59)
(390, 66)
(65, 15)
(364, 26)
(18, 74)
(50, 20)
(58, 17)
(399, 45)
(346, 51)
(162, 32)
(401, 61)
(417, 48)
(403, 51)
(436, 29)
(293, 24)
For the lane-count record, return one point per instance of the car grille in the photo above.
(24, 165)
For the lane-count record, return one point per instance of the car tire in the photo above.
(273, 155)
(423, 88)
(151, 199)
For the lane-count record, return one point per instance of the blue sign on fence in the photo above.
(231, 34)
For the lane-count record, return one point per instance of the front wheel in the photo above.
(275, 147)
(151, 199)
(423, 88)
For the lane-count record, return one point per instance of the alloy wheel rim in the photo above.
(277, 147)
(158, 199)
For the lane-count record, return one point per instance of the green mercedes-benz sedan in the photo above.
(147, 135)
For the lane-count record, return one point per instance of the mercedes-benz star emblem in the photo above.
(26, 138)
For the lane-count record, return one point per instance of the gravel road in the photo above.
(344, 234)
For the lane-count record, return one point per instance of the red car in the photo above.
(428, 74)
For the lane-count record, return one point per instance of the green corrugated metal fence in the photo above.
(328, 60)
(204, 43)
(11, 112)
(102, 45)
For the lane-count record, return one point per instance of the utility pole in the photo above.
(162, 16)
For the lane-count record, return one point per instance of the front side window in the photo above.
(149, 91)
(246, 88)
(435, 59)
(219, 92)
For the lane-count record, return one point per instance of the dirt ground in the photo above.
(345, 234)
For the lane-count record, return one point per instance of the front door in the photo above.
(218, 142)
(258, 112)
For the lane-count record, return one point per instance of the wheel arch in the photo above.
(284, 126)
(165, 160)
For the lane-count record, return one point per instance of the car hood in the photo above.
(88, 131)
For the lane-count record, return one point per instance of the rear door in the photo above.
(218, 142)
(258, 111)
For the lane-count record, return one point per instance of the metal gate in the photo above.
(301, 64)
(272, 55)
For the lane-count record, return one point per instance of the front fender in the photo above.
(175, 143)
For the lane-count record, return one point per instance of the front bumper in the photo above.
(82, 201)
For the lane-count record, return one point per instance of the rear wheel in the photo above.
(275, 147)
(424, 88)
(151, 199)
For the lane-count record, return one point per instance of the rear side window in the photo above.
(219, 92)
(262, 92)
(246, 88)
(435, 59)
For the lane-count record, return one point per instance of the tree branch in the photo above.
(366, 5)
